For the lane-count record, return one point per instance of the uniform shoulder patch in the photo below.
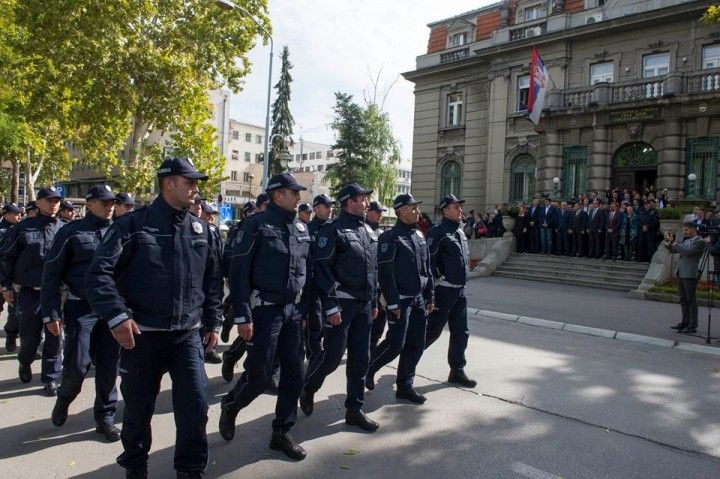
(197, 227)
(300, 227)
(322, 241)
(419, 233)
(384, 247)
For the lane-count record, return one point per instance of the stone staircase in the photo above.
(597, 273)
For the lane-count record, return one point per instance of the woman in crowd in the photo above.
(628, 234)
(520, 229)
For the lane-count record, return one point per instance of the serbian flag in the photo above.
(539, 79)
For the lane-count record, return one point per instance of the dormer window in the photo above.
(457, 39)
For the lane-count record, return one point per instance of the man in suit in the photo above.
(649, 224)
(534, 230)
(579, 230)
(546, 221)
(596, 228)
(612, 234)
(564, 229)
(690, 250)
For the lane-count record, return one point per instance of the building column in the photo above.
(496, 172)
(552, 164)
(670, 159)
(599, 171)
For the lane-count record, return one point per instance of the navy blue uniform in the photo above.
(159, 266)
(378, 326)
(23, 257)
(87, 340)
(314, 334)
(267, 277)
(11, 326)
(647, 231)
(407, 285)
(345, 274)
(449, 260)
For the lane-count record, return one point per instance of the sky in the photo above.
(339, 45)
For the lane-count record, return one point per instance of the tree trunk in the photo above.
(15, 180)
(29, 180)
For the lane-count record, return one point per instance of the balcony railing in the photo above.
(703, 81)
(647, 89)
(455, 56)
(528, 30)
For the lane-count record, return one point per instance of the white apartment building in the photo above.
(243, 162)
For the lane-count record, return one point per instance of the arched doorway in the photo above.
(450, 179)
(522, 178)
(635, 166)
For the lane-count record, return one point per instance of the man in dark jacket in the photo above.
(579, 230)
(10, 217)
(564, 228)
(547, 222)
(596, 229)
(649, 225)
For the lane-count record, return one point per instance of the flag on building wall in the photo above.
(539, 79)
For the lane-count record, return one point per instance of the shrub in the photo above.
(669, 214)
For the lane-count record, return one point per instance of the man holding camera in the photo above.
(690, 249)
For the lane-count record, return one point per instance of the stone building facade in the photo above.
(634, 101)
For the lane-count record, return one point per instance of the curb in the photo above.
(598, 332)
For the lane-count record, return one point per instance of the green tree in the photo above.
(282, 119)
(128, 73)
(712, 15)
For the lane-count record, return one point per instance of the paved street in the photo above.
(600, 308)
(549, 404)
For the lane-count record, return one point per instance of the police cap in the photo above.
(353, 189)
(449, 200)
(49, 192)
(405, 200)
(99, 192)
(284, 180)
(180, 167)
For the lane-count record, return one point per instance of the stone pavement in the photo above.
(549, 404)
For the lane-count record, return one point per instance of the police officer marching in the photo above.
(373, 216)
(155, 279)
(124, 204)
(407, 285)
(270, 258)
(208, 214)
(67, 210)
(87, 339)
(449, 260)
(304, 213)
(22, 264)
(10, 217)
(345, 273)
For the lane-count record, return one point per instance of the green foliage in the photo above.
(669, 214)
(712, 15)
(282, 119)
(510, 210)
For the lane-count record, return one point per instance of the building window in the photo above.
(233, 176)
(523, 92)
(522, 178)
(318, 155)
(601, 73)
(329, 154)
(304, 156)
(247, 156)
(711, 56)
(702, 157)
(235, 135)
(259, 158)
(656, 65)
(235, 155)
(248, 137)
(312, 155)
(532, 13)
(450, 179)
(574, 170)
(246, 177)
(454, 109)
(321, 167)
(297, 157)
(258, 139)
(457, 40)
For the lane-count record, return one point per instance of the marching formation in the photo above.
(141, 292)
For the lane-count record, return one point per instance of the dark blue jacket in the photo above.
(227, 250)
(158, 266)
(564, 220)
(649, 219)
(596, 222)
(270, 257)
(5, 227)
(25, 249)
(67, 262)
(449, 253)
(548, 218)
(404, 265)
(345, 261)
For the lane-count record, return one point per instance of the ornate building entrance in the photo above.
(635, 166)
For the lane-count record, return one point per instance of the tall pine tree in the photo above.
(282, 119)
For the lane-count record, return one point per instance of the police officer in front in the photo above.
(269, 257)
(87, 339)
(407, 285)
(155, 279)
(345, 273)
(449, 260)
(22, 264)
(372, 217)
(10, 217)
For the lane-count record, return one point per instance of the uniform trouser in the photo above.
(353, 334)
(31, 326)
(276, 329)
(89, 340)
(688, 302)
(546, 240)
(647, 245)
(378, 327)
(12, 326)
(564, 242)
(450, 308)
(405, 337)
(314, 331)
(236, 350)
(611, 245)
(179, 353)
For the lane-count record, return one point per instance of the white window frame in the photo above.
(538, 8)
(246, 177)
(233, 175)
(235, 155)
(457, 39)
(523, 83)
(711, 56)
(248, 137)
(656, 70)
(248, 156)
(454, 109)
(258, 139)
(235, 135)
(602, 76)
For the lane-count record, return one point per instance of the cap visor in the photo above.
(296, 188)
(196, 176)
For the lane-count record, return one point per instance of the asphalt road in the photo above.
(600, 308)
(549, 404)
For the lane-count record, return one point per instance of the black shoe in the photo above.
(110, 431)
(213, 358)
(189, 475)
(283, 441)
(139, 473)
(678, 326)
(307, 401)
(370, 380)
(688, 331)
(409, 394)
(60, 411)
(25, 373)
(227, 420)
(50, 388)
(11, 344)
(225, 331)
(228, 369)
(356, 417)
(458, 376)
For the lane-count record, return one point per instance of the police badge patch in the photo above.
(238, 237)
(300, 227)
(419, 233)
(430, 241)
(384, 247)
(322, 241)
(197, 227)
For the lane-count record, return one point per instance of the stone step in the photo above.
(616, 285)
(568, 260)
(605, 275)
(608, 267)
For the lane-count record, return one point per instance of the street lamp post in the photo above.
(284, 158)
(691, 190)
(229, 5)
(556, 187)
(251, 177)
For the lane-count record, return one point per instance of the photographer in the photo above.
(690, 250)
